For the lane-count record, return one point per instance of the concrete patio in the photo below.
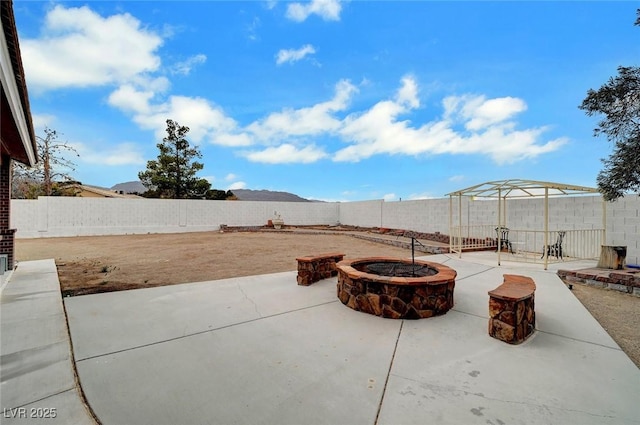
(263, 350)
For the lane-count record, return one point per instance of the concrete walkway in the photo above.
(263, 350)
(37, 381)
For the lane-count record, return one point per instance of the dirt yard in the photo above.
(112, 263)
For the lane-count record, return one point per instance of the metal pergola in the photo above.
(520, 188)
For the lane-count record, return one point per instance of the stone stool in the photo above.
(512, 316)
(313, 268)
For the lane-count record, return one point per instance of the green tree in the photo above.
(619, 101)
(49, 177)
(220, 195)
(173, 173)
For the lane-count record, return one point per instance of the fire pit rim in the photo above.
(443, 272)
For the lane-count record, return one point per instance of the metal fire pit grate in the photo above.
(400, 269)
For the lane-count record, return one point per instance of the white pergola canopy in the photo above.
(520, 188)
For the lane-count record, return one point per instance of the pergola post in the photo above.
(604, 221)
(499, 233)
(451, 236)
(460, 225)
(546, 228)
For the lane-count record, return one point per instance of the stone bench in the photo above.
(313, 268)
(512, 316)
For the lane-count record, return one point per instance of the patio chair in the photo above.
(555, 249)
(503, 236)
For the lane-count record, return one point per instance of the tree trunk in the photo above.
(612, 257)
(48, 186)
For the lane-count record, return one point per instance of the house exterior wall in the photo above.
(6, 233)
(59, 216)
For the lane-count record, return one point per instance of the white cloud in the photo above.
(237, 185)
(230, 177)
(117, 155)
(185, 67)
(329, 10)
(40, 121)
(489, 129)
(80, 48)
(456, 178)
(252, 29)
(203, 118)
(417, 196)
(157, 85)
(389, 197)
(232, 140)
(313, 120)
(287, 153)
(408, 94)
(294, 55)
(482, 113)
(280, 131)
(129, 99)
(207, 122)
(470, 124)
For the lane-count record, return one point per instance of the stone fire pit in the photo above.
(396, 288)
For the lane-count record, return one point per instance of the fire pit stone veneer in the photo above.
(396, 288)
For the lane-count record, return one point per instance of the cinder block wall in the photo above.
(56, 216)
(64, 216)
(623, 226)
(363, 213)
(429, 215)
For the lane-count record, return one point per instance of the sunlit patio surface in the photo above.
(263, 350)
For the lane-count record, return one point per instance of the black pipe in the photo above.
(413, 254)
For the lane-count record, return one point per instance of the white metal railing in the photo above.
(529, 245)
(472, 238)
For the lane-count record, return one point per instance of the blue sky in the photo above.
(330, 100)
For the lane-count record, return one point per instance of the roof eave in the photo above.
(14, 82)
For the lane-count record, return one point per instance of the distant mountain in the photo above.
(130, 187)
(241, 194)
(267, 195)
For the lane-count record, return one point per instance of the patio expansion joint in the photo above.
(124, 350)
(48, 396)
(466, 313)
(386, 381)
(580, 340)
(475, 274)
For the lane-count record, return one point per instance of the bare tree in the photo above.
(45, 177)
